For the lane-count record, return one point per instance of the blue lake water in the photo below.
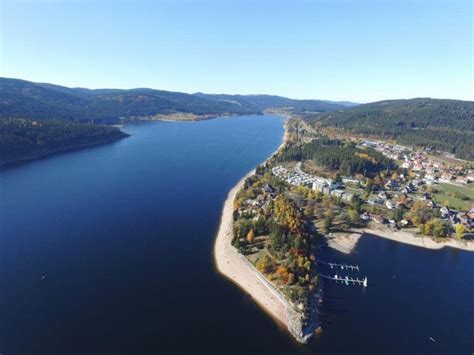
(108, 250)
(413, 294)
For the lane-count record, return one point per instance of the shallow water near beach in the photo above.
(108, 250)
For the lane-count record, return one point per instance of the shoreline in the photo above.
(346, 242)
(407, 237)
(229, 262)
(237, 269)
(46, 155)
(187, 117)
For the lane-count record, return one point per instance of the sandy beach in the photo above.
(410, 238)
(230, 263)
(344, 242)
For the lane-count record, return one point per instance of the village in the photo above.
(394, 200)
(434, 169)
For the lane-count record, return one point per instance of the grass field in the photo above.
(354, 191)
(445, 191)
(465, 189)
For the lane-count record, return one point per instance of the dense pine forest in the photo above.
(340, 156)
(445, 125)
(22, 139)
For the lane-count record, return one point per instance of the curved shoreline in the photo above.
(409, 238)
(346, 242)
(235, 267)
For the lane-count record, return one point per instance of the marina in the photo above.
(340, 278)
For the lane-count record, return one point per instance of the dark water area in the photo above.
(108, 250)
(413, 294)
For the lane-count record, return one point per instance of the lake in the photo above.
(108, 250)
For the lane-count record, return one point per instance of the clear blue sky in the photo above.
(337, 50)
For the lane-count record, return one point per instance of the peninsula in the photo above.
(292, 311)
(317, 189)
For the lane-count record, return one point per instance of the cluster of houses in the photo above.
(455, 217)
(401, 191)
(449, 215)
(380, 219)
(404, 192)
(419, 161)
(392, 151)
(251, 207)
(447, 176)
(297, 177)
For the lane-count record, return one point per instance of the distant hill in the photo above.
(344, 103)
(262, 102)
(446, 125)
(25, 99)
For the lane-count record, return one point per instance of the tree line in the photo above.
(22, 139)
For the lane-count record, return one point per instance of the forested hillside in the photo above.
(22, 139)
(446, 125)
(262, 102)
(24, 99)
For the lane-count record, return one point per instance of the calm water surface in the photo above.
(123, 235)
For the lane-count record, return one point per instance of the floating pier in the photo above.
(339, 266)
(346, 279)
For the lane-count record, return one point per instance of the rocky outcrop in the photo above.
(304, 325)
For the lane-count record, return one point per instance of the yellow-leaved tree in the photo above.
(250, 236)
(460, 230)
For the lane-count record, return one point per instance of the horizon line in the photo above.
(236, 94)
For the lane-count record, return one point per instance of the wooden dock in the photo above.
(345, 279)
(339, 266)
